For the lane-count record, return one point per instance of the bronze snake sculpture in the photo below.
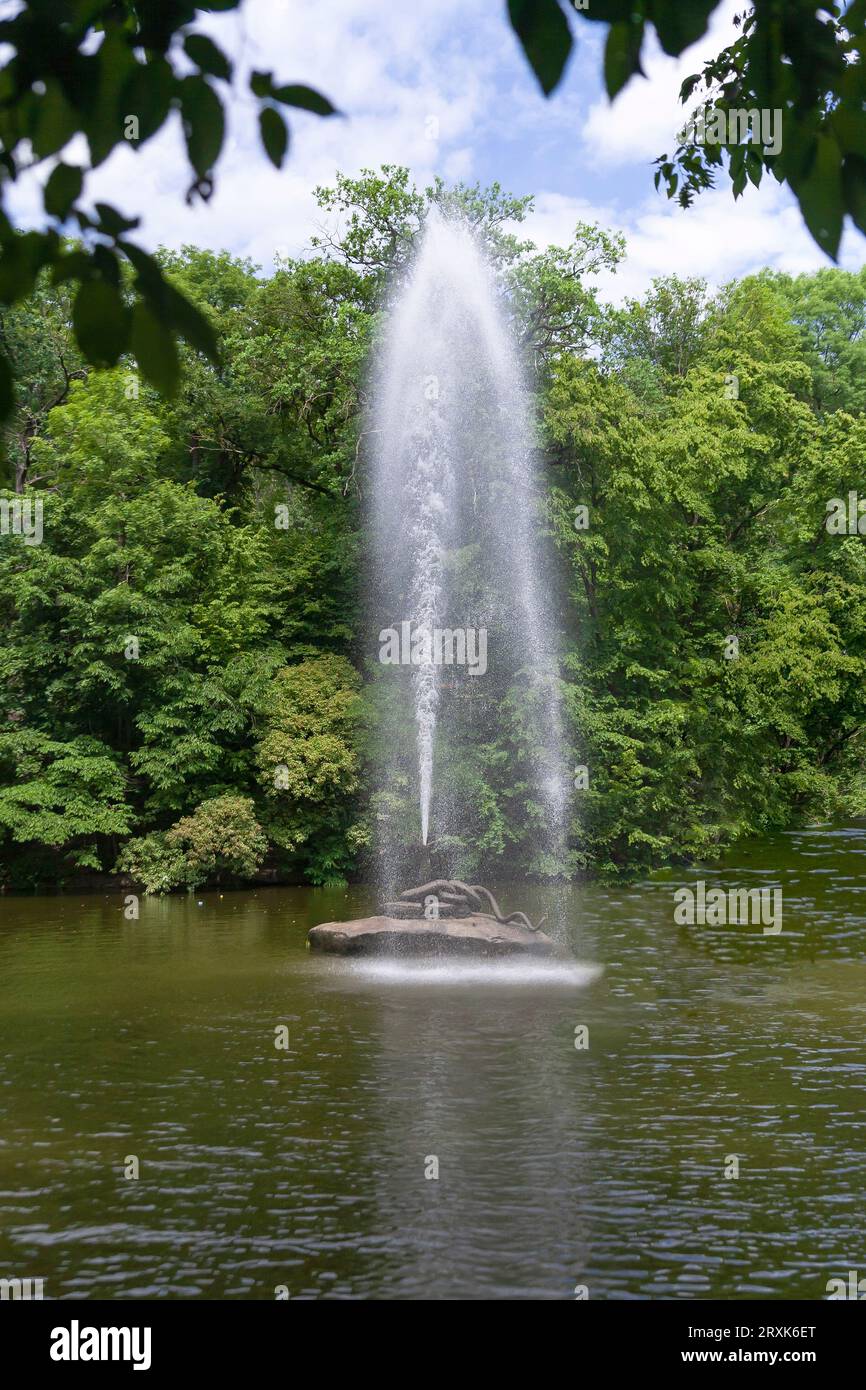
(468, 898)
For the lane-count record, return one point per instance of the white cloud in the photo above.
(717, 239)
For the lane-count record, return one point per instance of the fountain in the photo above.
(463, 641)
(444, 917)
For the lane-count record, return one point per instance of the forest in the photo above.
(184, 677)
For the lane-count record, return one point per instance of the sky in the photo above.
(442, 87)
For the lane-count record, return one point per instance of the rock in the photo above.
(410, 911)
(446, 936)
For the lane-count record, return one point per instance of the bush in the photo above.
(154, 862)
(222, 836)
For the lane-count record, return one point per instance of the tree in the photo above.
(717, 661)
(69, 796)
(221, 837)
(545, 295)
(829, 309)
(36, 335)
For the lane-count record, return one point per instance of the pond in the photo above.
(681, 1114)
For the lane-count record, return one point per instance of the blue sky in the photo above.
(403, 71)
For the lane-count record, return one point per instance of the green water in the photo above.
(557, 1167)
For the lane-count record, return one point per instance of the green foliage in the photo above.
(222, 837)
(803, 61)
(110, 73)
(829, 309)
(155, 862)
(66, 795)
(308, 761)
(707, 510)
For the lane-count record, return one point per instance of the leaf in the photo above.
(55, 122)
(820, 196)
(147, 95)
(849, 127)
(854, 187)
(305, 98)
(21, 259)
(207, 56)
(101, 322)
(74, 266)
(738, 162)
(545, 37)
(275, 136)
(262, 84)
(680, 22)
(148, 269)
(103, 119)
(203, 123)
(754, 167)
(191, 323)
(107, 266)
(169, 305)
(61, 190)
(622, 55)
(155, 350)
(112, 222)
(608, 11)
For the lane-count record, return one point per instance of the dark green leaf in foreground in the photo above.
(203, 124)
(305, 98)
(101, 322)
(155, 350)
(854, 188)
(206, 55)
(63, 187)
(545, 37)
(275, 135)
(679, 23)
(622, 55)
(821, 198)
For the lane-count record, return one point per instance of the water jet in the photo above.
(463, 642)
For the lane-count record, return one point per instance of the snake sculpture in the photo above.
(457, 899)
